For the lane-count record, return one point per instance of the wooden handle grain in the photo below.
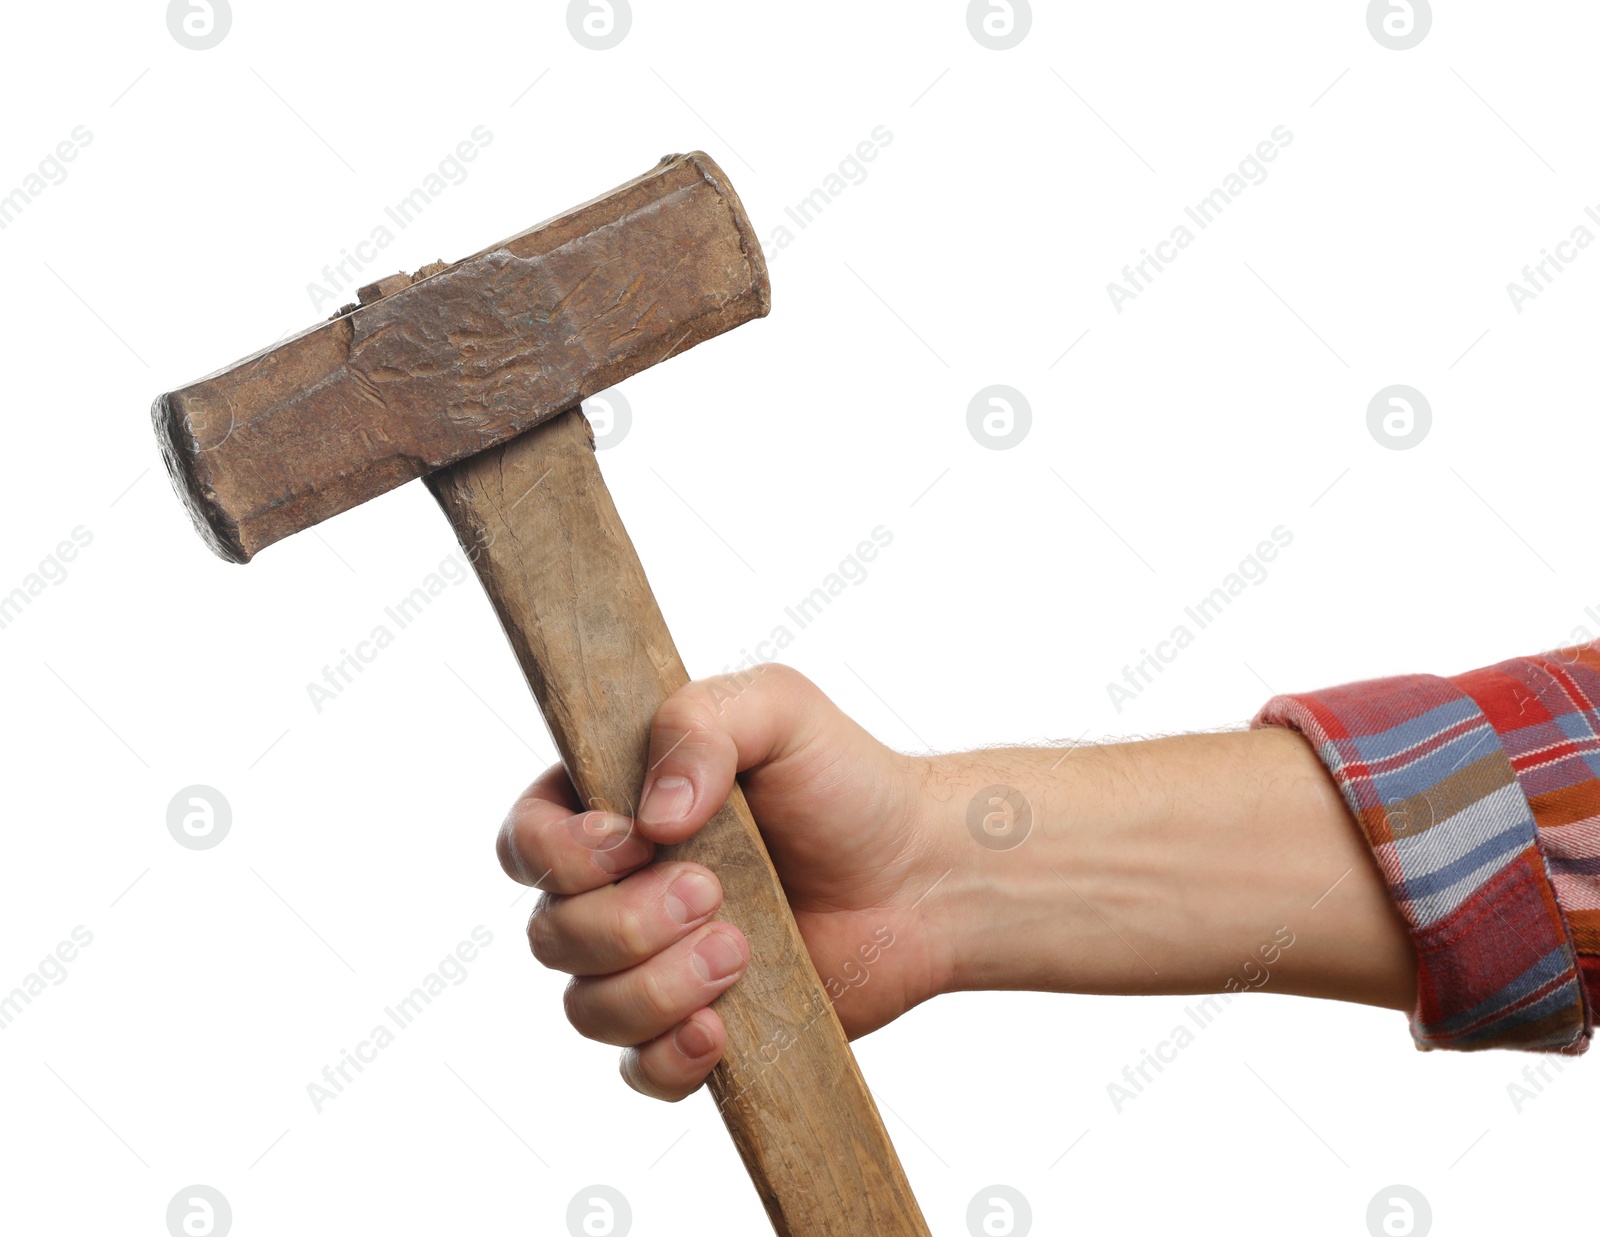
(540, 527)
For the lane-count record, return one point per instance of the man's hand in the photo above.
(844, 818)
(1193, 864)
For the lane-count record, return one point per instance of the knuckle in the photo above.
(524, 848)
(704, 704)
(766, 680)
(579, 1010)
(631, 935)
(543, 932)
(631, 1066)
(502, 847)
(688, 714)
(643, 1074)
(641, 1071)
(505, 849)
(782, 676)
(654, 999)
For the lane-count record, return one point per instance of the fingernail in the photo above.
(693, 1040)
(692, 896)
(667, 801)
(717, 957)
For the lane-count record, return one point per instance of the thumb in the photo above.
(709, 730)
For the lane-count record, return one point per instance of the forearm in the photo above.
(1201, 863)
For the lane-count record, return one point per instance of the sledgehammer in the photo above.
(471, 375)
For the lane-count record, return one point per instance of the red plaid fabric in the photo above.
(1480, 797)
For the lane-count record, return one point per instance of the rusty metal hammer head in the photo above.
(428, 370)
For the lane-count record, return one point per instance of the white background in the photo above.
(1170, 439)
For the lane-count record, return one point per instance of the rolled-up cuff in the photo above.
(1480, 799)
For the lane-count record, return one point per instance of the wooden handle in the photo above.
(539, 525)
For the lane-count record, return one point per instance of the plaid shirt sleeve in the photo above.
(1480, 797)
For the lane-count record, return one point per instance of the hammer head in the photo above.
(429, 370)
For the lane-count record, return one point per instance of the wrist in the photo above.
(1046, 888)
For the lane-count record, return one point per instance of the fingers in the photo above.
(544, 844)
(673, 1065)
(638, 1004)
(647, 957)
(619, 926)
(709, 730)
